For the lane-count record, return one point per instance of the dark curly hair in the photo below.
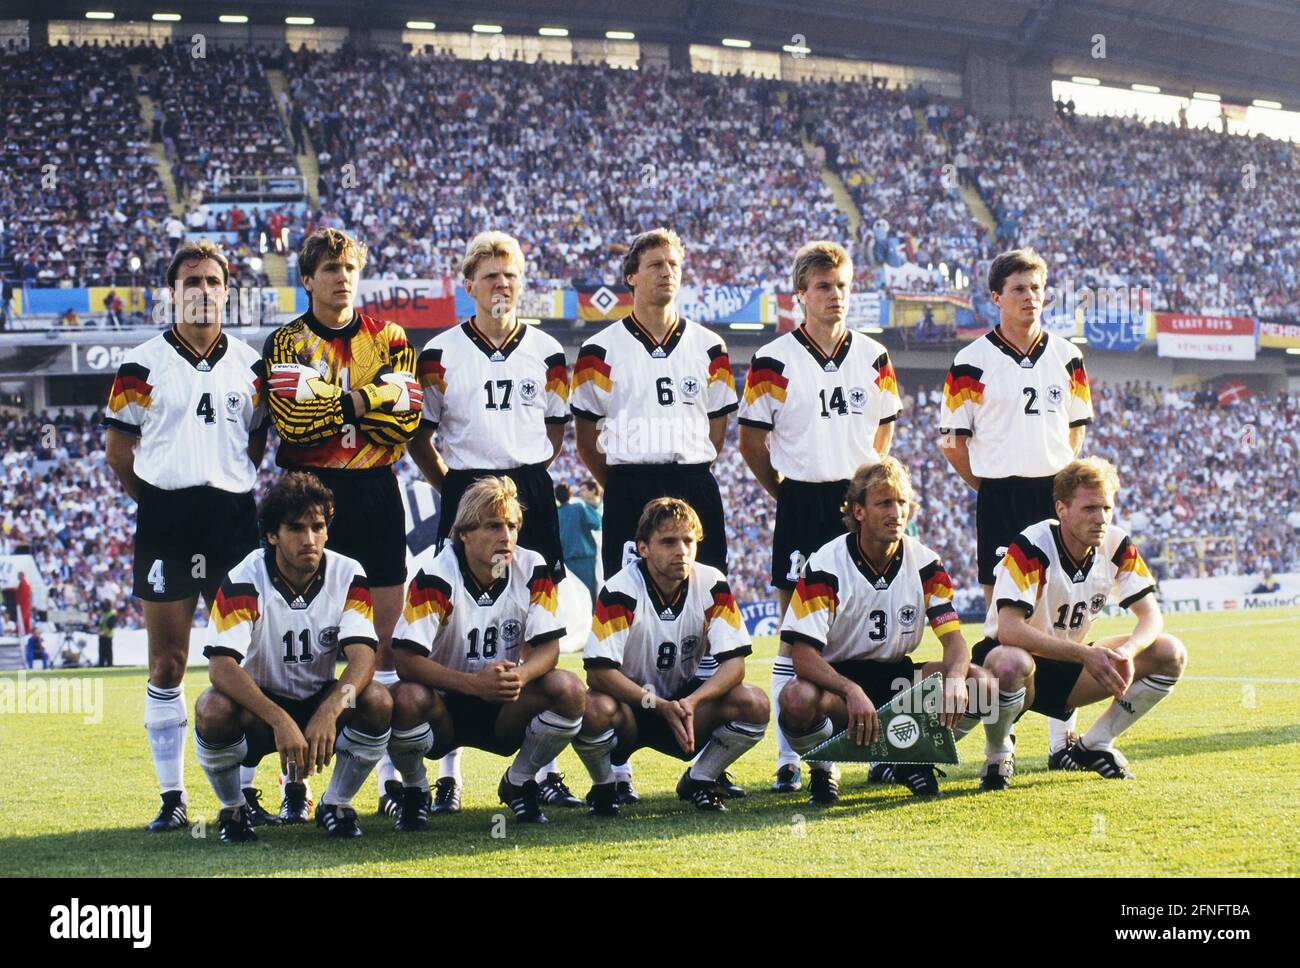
(292, 496)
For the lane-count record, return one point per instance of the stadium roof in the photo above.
(1241, 49)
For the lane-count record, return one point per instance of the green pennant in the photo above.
(909, 732)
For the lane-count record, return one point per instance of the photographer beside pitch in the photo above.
(858, 611)
(1055, 579)
(281, 618)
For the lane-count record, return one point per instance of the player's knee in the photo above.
(167, 669)
(566, 692)
(215, 714)
(598, 713)
(375, 704)
(411, 703)
(753, 704)
(799, 704)
(1170, 654)
(1010, 665)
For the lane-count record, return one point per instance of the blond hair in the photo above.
(488, 497)
(889, 472)
(818, 256)
(660, 238)
(1094, 473)
(324, 245)
(491, 245)
(667, 510)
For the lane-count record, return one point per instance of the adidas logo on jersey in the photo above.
(298, 602)
(830, 367)
(1078, 576)
(203, 366)
(485, 599)
(496, 356)
(1027, 363)
(881, 583)
(667, 613)
(658, 353)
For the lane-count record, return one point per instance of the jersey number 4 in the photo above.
(204, 410)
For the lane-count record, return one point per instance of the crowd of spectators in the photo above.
(420, 153)
(80, 194)
(1208, 222)
(1204, 486)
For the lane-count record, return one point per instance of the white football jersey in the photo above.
(846, 610)
(450, 619)
(656, 399)
(490, 405)
(193, 414)
(1016, 409)
(823, 410)
(1063, 596)
(662, 644)
(290, 641)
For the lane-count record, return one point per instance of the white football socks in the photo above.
(221, 764)
(407, 747)
(165, 718)
(1058, 730)
(782, 675)
(1138, 700)
(997, 734)
(548, 733)
(355, 755)
(728, 743)
(595, 752)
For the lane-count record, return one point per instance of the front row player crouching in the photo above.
(1055, 578)
(280, 619)
(476, 648)
(655, 621)
(859, 608)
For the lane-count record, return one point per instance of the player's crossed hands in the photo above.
(680, 717)
(499, 682)
(1112, 670)
(864, 724)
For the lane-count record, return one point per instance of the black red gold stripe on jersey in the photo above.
(427, 595)
(359, 598)
(1025, 563)
(723, 606)
(131, 387)
(236, 602)
(1128, 560)
(557, 376)
(614, 612)
(591, 366)
(815, 591)
(963, 386)
(1079, 380)
(720, 368)
(541, 589)
(886, 378)
(430, 371)
(766, 376)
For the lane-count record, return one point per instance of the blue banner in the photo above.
(761, 617)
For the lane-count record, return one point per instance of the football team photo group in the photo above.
(329, 661)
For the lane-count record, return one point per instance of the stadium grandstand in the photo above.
(1152, 155)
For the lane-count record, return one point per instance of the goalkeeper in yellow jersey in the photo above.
(345, 401)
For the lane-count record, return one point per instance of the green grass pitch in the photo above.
(1215, 795)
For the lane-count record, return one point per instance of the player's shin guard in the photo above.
(165, 718)
(1059, 730)
(729, 742)
(997, 734)
(595, 751)
(407, 748)
(544, 739)
(782, 675)
(221, 764)
(387, 771)
(802, 742)
(355, 755)
(449, 765)
(1138, 700)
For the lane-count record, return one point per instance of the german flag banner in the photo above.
(599, 302)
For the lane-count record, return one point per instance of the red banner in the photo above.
(1205, 337)
(410, 303)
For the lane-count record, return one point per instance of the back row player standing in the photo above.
(345, 401)
(186, 429)
(651, 394)
(819, 403)
(497, 393)
(1016, 405)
